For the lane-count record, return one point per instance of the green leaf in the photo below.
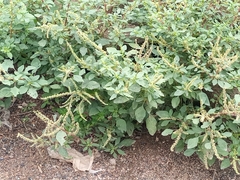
(2, 104)
(36, 85)
(103, 41)
(238, 150)
(134, 45)
(140, 114)
(112, 50)
(7, 64)
(178, 1)
(82, 72)
(131, 52)
(23, 89)
(15, 91)
(60, 40)
(222, 152)
(42, 82)
(46, 89)
(165, 123)
(232, 126)
(205, 125)
(189, 152)
(222, 144)
(93, 110)
(121, 99)
(237, 120)
(225, 163)
(224, 84)
(8, 102)
(189, 116)
(121, 152)
(21, 68)
(36, 63)
(178, 93)
(121, 125)
(5, 92)
(237, 98)
(227, 134)
(101, 129)
(130, 128)
(204, 98)
(208, 145)
(126, 143)
(32, 92)
(42, 43)
(167, 132)
(30, 68)
(83, 51)
(113, 96)
(117, 141)
(163, 114)
(180, 146)
(192, 143)
(55, 86)
(33, 78)
(175, 102)
(135, 88)
(151, 124)
(9, 54)
(63, 152)
(92, 85)
(60, 136)
(143, 82)
(153, 104)
(7, 82)
(77, 78)
(195, 121)
(211, 111)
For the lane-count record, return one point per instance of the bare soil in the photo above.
(149, 158)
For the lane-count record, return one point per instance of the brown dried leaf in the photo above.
(79, 161)
(5, 117)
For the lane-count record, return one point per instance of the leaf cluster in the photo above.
(170, 65)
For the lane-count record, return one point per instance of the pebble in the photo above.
(113, 161)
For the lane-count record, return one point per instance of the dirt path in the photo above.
(148, 159)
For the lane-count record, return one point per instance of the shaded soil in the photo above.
(149, 158)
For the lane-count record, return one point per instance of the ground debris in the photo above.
(4, 118)
(79, 161)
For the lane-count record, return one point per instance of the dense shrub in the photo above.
(172, 66)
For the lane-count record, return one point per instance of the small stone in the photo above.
(113, 161)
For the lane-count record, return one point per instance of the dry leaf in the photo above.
(5, 117)
(79, 161)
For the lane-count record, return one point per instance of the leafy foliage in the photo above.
(172, 65)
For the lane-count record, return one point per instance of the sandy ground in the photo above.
(149, 158)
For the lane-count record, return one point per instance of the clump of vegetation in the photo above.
(116, 66)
